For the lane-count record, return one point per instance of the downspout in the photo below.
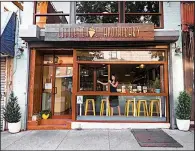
(27, 87)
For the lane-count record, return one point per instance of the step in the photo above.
(55, 121)
(50, 127)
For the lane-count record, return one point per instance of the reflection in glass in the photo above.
(97, 7)
(121, 55)
(155, 19)
(63, 59)
(47, 87)
(142, 7)
(63, 90)
(86, 78)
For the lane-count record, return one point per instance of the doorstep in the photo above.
(49, 124)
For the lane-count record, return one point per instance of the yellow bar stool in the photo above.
(144, 104)
(104, 101)
(127, 105)
(155, 103)
(86, 106)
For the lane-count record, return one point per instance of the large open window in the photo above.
(142, 90)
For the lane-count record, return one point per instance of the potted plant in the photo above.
(45, 114)
(156, 85)
(183, 111)
(12, 114)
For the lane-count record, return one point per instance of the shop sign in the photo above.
(99, 32)
(79, 99)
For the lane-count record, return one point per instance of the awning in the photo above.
(8, 28)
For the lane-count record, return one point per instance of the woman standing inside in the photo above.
(114, 102)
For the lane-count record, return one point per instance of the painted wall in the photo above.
(172, 20)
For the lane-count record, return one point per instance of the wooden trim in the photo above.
(143, 14)
(34, 12)
(121, 62)
(147, 48)
(106, 93)
(94, 80)
(18, 4)
(109, 77)
(101, 14)
(75, 79)
(31, 83)
(52, 14)
(162, 16)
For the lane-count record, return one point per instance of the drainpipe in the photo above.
(27, 86)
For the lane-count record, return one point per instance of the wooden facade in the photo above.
(188, 43)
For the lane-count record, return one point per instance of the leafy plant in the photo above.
(183, 109)
(46, 112)
(156, 83)
(11, 112)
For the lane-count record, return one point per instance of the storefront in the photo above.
(65, 68)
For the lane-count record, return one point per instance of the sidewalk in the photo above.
(86, 140)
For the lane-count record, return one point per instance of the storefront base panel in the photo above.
(100, 125)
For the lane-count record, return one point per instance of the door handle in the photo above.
(55, 90)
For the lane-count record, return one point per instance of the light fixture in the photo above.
(127, 75)
(142, 66)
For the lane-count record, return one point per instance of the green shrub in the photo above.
(183, 109)
(11, 112)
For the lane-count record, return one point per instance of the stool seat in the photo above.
(86, 106)
(127, 105)
(104, 101)
(155, 103)
(144, 104)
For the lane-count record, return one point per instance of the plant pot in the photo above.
(183, 125)
(14, 127)
(157, 90)
(45, 116)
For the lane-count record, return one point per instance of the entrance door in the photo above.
(62, 90)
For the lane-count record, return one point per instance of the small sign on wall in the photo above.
(48, 86)
(79, 99)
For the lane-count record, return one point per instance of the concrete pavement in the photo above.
(86, 140)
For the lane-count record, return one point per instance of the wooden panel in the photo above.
(188, 65)
(75, 79)
(187, 14)
(35, 83)
(99, 32)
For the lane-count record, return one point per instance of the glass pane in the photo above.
(86, 78)
(151, 108)
(155, 19)
(63, 59)
(52, 7)
(142, 7)
(47, 87)
(48, 59)
(139, 78)
(102, 75)
(121, 55)
(97, 19)
(63, 91)
(97, 7)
